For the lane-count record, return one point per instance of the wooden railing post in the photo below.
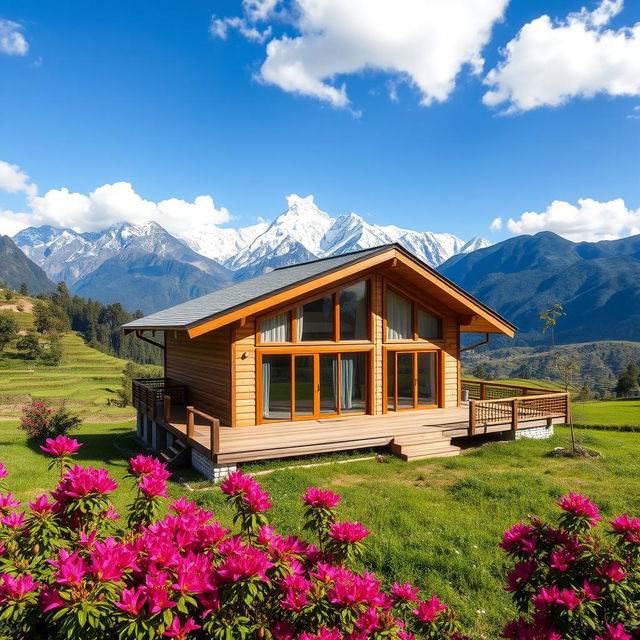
(190, 422)
(215, 436)
(483, 391)
(514, 414)
(472, 418)
(167, 408)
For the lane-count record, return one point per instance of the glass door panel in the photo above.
(427, 379)
(328, 384)
(353, 383)
(304, 386)
(391, 381)
(405, 380)
(276, 387)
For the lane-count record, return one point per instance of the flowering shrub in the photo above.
(66, 571)
(569, 582)
(42, 421)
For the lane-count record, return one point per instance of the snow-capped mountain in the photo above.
(125, 255)
(67, 255)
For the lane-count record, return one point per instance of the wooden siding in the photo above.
(204, 365)
(244, 361)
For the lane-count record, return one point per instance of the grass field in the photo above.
(615, 413)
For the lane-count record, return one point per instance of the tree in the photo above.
(24, 289)
(30, 345)
(53, 355)
(49, 318)
(8, 329)
(550, 319)
(628, 379)
(567, 365)
(8, 295)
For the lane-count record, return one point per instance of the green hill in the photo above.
(16, 268)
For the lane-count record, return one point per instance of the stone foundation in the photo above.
(204, 465)
(535, 433)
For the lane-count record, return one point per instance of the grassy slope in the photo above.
(616, 413)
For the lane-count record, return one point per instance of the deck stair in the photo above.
(176, 454)
(429, 444)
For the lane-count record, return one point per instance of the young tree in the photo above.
(8, 329)
(49, 318)
(24, 289)
(550, 319)
(566, 366)
(628, 379)
(30, 345)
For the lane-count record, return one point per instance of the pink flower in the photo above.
(153, 487)
(257, 500)
(615, 632)
(561, 560)
(351, 589)
(568, 599)
(61, 446)
(405, 635)
(245, 563)
(590, 591)
(16, 588)
(41, 505)
(133, 600)
(3, 471)
(347, 531)
(178, 631)
(627, 527)
(236, 483)
(368, 621)
(14, 520)
(50, 599)
(8, 502)
(545, 597)
(405, 592)
(520, 575)
(519, 538)
(71, 568)
(580, 506)
(323, 634)
(319, 498)
(427, 611)
(148, 465)
(612, 570)
(79, 482)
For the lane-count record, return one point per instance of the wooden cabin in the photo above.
(354, 351)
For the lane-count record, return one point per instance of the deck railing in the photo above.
(154, 396)
(214, 428)
(492, 403)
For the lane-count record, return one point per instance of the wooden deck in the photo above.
(285, 439)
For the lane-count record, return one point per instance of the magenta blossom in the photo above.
(627, 527)
(153, 487)
(14, 520)
(180, 631)
(61, 446)
(148, 465)
(561, 560)
(347, 531)
(245, 563)
(615, 632)
(14, 588)
(321, 498)
(42, 506)
(8, 502)
(519, 538)
(427, 611)
(3, 471)
(132, 600)
(613, 571)
(405, 592)
(580, 506)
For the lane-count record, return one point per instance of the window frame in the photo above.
(334, 292)
(415, 306)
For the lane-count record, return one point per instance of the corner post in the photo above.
(514, 414)
(190, 422)
(472, 418)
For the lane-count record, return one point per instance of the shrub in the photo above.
(42, 421)
(569, 582)
(30, 345)
(68, 573)
(8, 329)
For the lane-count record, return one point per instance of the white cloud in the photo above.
(549, 62)
(424, 42)
(14, 180)
(106, 205)
(12, 42)
(496, 224)
(591, 220)
(220, 28)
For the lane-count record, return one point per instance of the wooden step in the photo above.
(427, 450)
(419, 438)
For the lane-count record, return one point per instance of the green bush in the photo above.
(42, 421)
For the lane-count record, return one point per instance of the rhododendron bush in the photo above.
(70, 569)
(569, 582)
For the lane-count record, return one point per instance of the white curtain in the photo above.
(275, 329)
(428, 326)
(399, 311)
(299, 324)
(346, 381)
(266, 388)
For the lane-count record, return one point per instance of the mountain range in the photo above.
(147, 268)
(597, 283)
(16, 268)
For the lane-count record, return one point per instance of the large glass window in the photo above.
(429, 326)
(353, 383)
(399, 317)
(276, 329)
(276, 387)
(315, 320)
(354, 312)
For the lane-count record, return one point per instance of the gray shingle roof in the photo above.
(192, 312)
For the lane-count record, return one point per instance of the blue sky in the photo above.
(144, 93)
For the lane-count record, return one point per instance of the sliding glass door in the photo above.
(412, 381)
(298, 387)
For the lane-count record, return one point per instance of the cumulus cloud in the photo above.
(12, 42)
(590, 220)
(424, 42)
(496, 224)
(549, 62)
(106, 205)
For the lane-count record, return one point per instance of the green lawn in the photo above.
(615, 413)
